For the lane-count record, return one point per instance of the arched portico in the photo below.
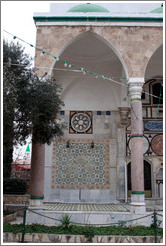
(97, 56)
(109, 49)
(88, 95)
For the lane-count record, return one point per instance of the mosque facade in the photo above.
(109, 60)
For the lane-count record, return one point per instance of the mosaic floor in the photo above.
(94, 207)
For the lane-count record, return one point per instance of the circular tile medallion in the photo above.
(80, 122)
(157, 144)
(145, 144)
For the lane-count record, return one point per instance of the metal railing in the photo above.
(120, 223)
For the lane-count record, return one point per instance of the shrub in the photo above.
(89, 233)
(14, 186)
(65, 221)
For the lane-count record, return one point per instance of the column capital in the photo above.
(136, 80)
(135, 87)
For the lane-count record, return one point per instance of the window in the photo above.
(157, 90)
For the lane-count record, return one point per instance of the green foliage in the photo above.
(14, 186)
(89, 233)
(65, 221)
(122, 223)
(30, 103)
(81, 230)
(7, 212)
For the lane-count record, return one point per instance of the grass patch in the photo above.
(83, 230)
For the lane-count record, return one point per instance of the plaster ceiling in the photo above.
(155, 65)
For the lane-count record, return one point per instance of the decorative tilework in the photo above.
(62, 112)
(80, 166)
(152, 144)
(153, 125)
(157, 144)
(80, 122)
(108, 112)
(98, 112)
(103, 112)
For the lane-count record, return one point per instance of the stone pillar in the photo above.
(137, 167)
(121, 153)
(37, 175)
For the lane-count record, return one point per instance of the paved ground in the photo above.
(94, 207)
(89, 207)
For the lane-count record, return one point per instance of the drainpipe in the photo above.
(125, 182)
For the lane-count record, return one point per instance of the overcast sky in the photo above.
(17, 16)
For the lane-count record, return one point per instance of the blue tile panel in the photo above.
(62, 112)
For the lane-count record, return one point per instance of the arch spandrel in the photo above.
(135, 45)
(54, 39)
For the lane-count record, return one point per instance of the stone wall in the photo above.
(133, 45)
(52, 238)
(15, 199)
(81, 172)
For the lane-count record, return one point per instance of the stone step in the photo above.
(94, 207)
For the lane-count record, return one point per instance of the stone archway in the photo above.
(92, 53)
(154, 66)
(89, 96)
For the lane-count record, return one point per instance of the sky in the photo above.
(17, 18)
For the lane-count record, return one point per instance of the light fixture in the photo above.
(65, 64)
(92, 145)
(67, 144)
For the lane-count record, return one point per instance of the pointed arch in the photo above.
(154, 66)
(96, 55)
(80, 36)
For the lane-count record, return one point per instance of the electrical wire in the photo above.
(81, 69)
(69, 70)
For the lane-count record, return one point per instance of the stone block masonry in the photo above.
(15, 199)
(134, 44)
(52, 238)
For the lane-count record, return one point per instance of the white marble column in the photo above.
(137, 172)
(121, 151)
(37, 175)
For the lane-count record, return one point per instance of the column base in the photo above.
(36, 201)
(137, 204)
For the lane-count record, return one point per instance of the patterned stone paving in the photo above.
(86, 207)
(94, 207)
